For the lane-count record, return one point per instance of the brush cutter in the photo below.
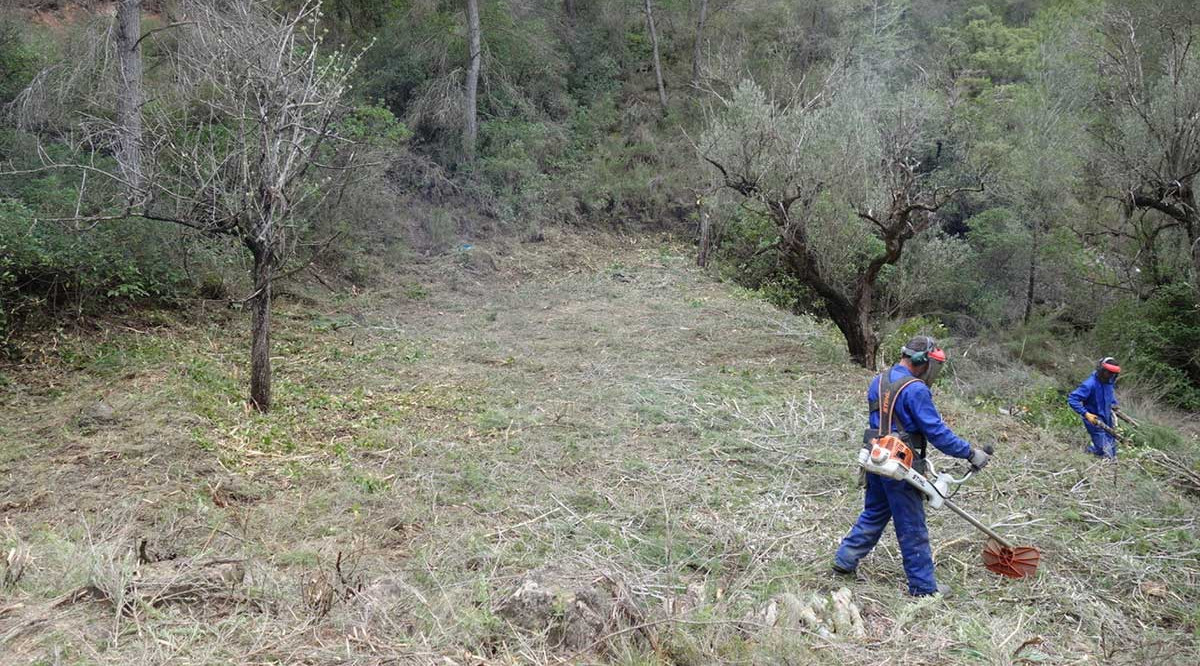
(1125, 417)
(1106, 428)
(890, 457)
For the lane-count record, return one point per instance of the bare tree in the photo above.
(658, 75)
(242, 137)
(1150, 139)
(474, 57)
(842, 178)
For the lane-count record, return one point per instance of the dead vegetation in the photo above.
(588, 453)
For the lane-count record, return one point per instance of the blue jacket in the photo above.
(1096, 397)
(915, 411)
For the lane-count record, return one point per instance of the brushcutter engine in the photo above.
(889, 456)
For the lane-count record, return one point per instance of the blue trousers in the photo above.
(891, 500)
(1103, 444)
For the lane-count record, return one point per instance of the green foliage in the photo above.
(906, 330)
(1157, 342)
(1158, 437)
(984, 51)
(48, 267)
(747, 254)
(374, 125)
(18, 60)
(1047, 407)
(1001, 247)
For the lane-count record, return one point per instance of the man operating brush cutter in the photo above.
(900, 480)
(901, 409)
(1096, 401)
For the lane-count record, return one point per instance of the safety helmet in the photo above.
(1107, 369)
(923, 350)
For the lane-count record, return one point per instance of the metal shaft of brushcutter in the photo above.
(978, 525)
(968, 517)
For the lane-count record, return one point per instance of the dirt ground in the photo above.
(584, 450)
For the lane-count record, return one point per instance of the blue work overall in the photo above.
(889, 500)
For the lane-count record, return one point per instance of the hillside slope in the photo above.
(580, 451)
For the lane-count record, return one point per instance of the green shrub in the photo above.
(1157, 342)
(18, 60)
(49, 268)
(891, 343)
(1157, 437)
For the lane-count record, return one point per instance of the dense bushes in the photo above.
(49, 268)
(18, 61)
(1156, 342)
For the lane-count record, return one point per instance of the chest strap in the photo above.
(889, 393)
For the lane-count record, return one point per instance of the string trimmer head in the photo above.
(1013, 562)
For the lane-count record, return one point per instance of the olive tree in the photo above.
(848, 176)
(1148, 128)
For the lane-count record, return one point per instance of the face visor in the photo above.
(1108, 370)
(937, 358)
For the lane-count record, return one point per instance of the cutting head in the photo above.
(1015, 562)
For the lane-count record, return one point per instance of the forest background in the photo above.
(451, 248)
(1010, 170)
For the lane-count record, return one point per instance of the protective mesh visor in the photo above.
(935, 368)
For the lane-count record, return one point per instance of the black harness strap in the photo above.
(889, 393)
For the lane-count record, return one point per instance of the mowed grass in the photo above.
(594, 412)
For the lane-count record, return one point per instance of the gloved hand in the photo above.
(980, 456)
(1090, 418)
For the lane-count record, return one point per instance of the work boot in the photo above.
(943, 590)
(842, 572)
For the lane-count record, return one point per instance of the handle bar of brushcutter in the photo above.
(1126, 418)
(1106, 428)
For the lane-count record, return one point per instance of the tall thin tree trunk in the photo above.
(129, 94)
(1192, 227)
(1193, 236)
(658, 77)
(705, 237)
(698, 47)
(1032, 281)
(260, 347)
(471, 131)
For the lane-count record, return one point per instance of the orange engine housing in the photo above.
(895, 448)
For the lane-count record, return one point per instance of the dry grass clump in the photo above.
(592, 454)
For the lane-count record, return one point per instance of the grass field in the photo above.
(578, 451)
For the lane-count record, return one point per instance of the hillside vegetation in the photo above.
(584, 450)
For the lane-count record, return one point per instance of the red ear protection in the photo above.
(1111, 367)
(938, 355)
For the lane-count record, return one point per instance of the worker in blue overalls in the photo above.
(915, 421)
(1095, 401)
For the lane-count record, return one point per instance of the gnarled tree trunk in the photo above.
(852, 316)
(855, 325)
